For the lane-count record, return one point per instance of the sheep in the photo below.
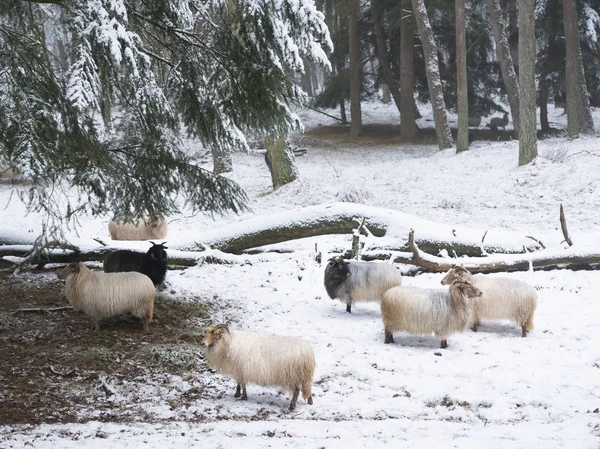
(267, 360)
(423, 311)
(498, 122)
(502, 298)
(8, 173)
(152, 227)
(359, 281)
(100, 295)
(153, 263)
(475, 121)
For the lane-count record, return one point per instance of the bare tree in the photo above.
(433, 75)
(408, 126)
(579, 116)
(384, 60)
(527, 92)
(355, 69)
(462, 98)
(511, 83)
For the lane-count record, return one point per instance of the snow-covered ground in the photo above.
(488, 389)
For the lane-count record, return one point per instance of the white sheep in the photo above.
(100, 295)
(152, 227)
(425, 311)
(502, 298)
(267, 360)
(353, 281)
(7, 173)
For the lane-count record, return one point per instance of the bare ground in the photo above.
(56, 369)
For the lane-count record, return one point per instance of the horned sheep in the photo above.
(153, 263)
(101, 295)
(425, 311)
(353, 281)
(267, 360)
(502, 298)
(152, 227)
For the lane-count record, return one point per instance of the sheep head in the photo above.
(338, 268)
(213, 334)
(154, 221)
(456, 273)
(466, 288)
(72, 268)
(157, 252)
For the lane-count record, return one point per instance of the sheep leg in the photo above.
(389, 337)
(295, 398)
(349, 307)
(244, 395)
(310, 401)
(444, 344)
(96, 324)
(524, 332)
(237, 391)
(475, 324)
(146, 323)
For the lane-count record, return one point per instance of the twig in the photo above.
(40, 310)
(99, 241)
(563, 226)
(55, 371)
(483, 251)
(325, 113)
(536, 240)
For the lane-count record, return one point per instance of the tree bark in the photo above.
(408, 125)
(579, 116)
(509, 76)
(384, 60)
(527, 92)
(355, 69)
(281, 161)
(433, 75)
(222, 160)
(462, 98)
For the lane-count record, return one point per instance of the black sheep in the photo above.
(153, 264)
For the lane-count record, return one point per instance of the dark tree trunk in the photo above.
(462, 140)
(355, 69)
(384, 60)
(408, 126)
(511, 83)
(579, 116)
(527, 92)
(543, 100)
(433, 75)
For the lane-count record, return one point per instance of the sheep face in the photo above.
(455, 273)
(467, 288)
(157, 252)
(72, 268)
(336, 273)
(154, 221)
(214, 334)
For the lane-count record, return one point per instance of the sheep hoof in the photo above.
(348, 308)
(310, 401)
(389, 338)
(444, 344)
(524, 333)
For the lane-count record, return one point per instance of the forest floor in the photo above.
(57, 352)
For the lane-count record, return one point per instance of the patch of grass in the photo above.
(171, 356)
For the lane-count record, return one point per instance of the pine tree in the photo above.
(100, 130)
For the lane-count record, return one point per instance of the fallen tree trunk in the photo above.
(542, 260)
(338, 218)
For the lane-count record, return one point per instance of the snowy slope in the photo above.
(488, 389)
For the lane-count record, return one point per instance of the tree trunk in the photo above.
(307, 79)
(384, 60)
(343, 112)
(544, 94)
(527, 92)
(355, 69)
(462, 98)
(222, 160)
(281, 161)
(408, 126)
(433, 75)
(579, 116)
(511, 83)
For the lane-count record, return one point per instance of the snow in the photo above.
(488, 389)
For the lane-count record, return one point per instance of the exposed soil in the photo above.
(53, 365)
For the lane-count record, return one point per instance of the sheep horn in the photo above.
(222, 326)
